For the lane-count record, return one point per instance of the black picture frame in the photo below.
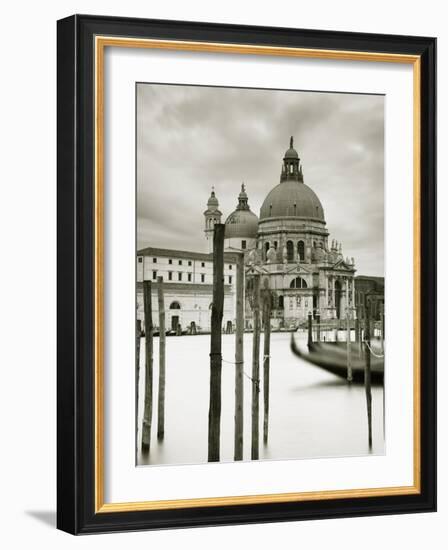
(76, 271)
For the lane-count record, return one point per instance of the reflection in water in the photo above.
(312, 413)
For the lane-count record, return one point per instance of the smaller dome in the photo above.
(243, 224)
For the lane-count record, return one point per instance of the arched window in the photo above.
(174, 305)
(298, 282)
(301, 250)
(290, 251)
(266, 248)
(280, 302)
(275, 245)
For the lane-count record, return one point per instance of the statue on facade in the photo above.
(271, 256)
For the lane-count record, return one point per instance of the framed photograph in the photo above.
(246, 274)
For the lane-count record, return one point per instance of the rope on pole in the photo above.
(256, 382)
(372, 352)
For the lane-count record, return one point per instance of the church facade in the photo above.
(288, 245)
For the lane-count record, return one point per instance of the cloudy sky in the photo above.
(191, 138)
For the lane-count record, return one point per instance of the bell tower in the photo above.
(212, 215)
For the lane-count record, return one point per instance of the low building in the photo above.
(188, 287)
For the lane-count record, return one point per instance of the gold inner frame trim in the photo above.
(101, 42)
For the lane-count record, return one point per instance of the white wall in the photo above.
(163, 267)
(194, 306)
(27, 299)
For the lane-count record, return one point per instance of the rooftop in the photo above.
(184, 254)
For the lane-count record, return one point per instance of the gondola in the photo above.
(332, 357)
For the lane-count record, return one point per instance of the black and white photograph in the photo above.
(259, 274)
(221, 310)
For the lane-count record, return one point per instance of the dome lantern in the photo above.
(242, 199)
(291, 168)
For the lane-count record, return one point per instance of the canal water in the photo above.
(313, 414)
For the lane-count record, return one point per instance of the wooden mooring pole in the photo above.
(147, 414)
(266, 357)
(162, 344)
(382, 352)
(256, 368)
(310, 328)
(138, 335)
(239, 358)
(214, 413)
(359, 331)
(367, 375)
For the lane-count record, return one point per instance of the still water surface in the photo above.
(312, 413)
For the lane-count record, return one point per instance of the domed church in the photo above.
(288, 245)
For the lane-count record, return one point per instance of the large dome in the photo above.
(292, 199)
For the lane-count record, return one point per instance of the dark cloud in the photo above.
(190, 138)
